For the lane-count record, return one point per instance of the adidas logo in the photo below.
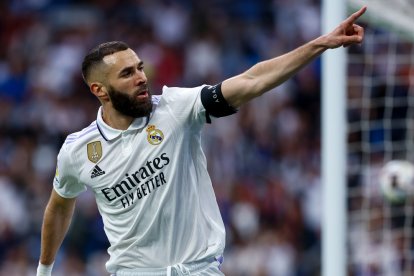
(97, 172)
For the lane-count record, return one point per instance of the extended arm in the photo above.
(56, 221)
(268, 74)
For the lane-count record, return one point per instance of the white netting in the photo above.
(380, 128)
(395, 14)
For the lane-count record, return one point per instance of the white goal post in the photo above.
(333, 147)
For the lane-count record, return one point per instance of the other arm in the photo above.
(56, 221)
(268, 74)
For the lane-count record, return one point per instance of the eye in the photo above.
(141, 68)
(127, 74)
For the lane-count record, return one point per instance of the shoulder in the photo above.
(71, 154)
(168, 91)
(182, 103)
(180, 94)
(81, 137)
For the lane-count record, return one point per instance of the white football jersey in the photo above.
(151, 184)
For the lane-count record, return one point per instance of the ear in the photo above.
(99, 90)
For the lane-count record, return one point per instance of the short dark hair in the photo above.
(96, 55)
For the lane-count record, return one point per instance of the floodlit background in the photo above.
(264, 161)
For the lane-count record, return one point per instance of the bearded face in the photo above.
(138, 104)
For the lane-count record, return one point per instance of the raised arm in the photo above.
(56, 221)
(268, 74)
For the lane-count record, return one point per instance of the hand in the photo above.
(347, 33)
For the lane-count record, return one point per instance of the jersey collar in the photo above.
(110, 133)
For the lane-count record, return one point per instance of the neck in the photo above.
(115, 119)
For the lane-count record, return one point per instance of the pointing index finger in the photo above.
(353, 17)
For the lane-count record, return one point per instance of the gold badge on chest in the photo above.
(94, 151)
(154, 135)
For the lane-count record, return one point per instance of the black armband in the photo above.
(214, 102)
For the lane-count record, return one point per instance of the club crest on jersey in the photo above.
(154, 136)
(94, 150)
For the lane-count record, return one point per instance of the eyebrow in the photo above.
(129, 68)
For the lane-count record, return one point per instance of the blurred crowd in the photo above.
(264, 161)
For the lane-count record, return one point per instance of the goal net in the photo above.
(380, 116)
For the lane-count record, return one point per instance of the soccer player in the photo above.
(143, 160)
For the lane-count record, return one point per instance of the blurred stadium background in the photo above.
(264, 161)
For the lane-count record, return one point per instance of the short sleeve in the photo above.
(185, 103)
(66, 182)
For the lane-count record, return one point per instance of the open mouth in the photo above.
(142, 95)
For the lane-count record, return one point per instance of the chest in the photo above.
(135, 167)
(108, 161)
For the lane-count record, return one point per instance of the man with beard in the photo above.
(143, 160)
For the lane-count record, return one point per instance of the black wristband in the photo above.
(214, 102)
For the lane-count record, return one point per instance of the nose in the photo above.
(140, 77)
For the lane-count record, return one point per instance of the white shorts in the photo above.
(209, 267)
